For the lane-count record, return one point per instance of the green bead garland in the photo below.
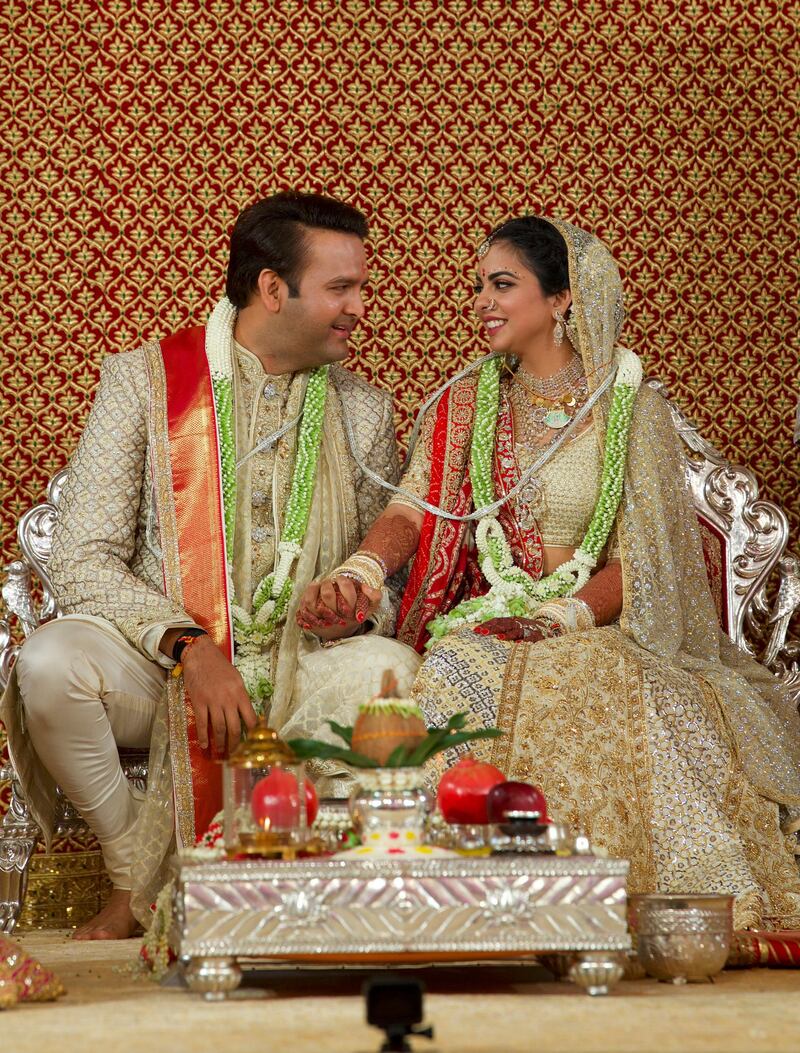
(253, 630)
(513, 592)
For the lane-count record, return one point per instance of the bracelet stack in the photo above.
(364, 567)
(187, 638)
(572, 614)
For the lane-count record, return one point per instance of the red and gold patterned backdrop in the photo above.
(133, 131)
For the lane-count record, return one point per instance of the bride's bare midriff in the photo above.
(555, 555)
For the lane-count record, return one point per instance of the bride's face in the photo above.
(510, 304)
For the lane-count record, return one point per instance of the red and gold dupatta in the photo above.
(445, 569)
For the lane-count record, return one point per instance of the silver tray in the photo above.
(359, 911)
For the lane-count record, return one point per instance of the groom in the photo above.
(189, 487)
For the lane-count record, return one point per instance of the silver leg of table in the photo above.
(16, 848)
(596, 971)
(213, 978)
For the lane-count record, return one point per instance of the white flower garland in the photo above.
(513, 592)
(252, 631)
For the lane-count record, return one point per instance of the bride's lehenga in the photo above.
(655, 736)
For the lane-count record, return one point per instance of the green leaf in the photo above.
(398, 758)
(425, 748)
(341, 731)
(313, 749)
(434, 743)
(458, 720)
(459, 737)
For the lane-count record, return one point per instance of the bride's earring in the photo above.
(558, 331)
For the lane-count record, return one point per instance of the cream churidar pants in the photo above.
(85, 692)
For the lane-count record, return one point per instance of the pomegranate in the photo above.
(463, 790)
(274, 800)
(515, 797)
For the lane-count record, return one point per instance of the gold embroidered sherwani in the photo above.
(107, 560)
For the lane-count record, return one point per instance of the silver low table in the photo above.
(411, 911)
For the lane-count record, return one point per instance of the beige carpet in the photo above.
(106, 1010)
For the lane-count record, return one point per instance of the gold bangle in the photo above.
(362, 568)
(573, 614)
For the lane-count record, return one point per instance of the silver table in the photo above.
(412, 911)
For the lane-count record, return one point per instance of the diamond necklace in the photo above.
(546, 404)
(552, 388)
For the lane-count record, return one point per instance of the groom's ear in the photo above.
(272, 290)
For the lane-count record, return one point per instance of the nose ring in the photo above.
(491, 305)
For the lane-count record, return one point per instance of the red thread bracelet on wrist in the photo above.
(188, 641)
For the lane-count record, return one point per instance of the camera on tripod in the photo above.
(394, 1006)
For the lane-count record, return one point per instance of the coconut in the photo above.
(386, 722)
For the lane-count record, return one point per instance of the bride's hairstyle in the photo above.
(541, 248)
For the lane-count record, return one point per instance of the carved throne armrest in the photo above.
(745, 541)
(35, 536)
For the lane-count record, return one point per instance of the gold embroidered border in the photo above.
(456, 465)
(510, 700)
(161, 469)
(640, 759)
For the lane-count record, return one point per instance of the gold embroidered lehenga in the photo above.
(654, 735)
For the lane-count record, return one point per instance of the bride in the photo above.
(557, 589)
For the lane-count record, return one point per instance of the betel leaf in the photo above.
(341, 731)
(313, 749)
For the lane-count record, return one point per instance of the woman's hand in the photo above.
(335, 607)
(514, 629)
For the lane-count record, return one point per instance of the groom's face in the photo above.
(329, 303)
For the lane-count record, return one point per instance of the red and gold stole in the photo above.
(196, 576)
(441, 560)
(445, 570)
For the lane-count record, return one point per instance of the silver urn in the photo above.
(680, 938)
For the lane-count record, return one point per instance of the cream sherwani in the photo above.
(100, 669)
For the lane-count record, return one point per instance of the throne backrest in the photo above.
(743, 539)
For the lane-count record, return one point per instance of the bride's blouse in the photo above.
(561, 497)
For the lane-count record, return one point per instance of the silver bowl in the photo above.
(681, 937)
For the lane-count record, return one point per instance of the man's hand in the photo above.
(335, 607)
(217, 695)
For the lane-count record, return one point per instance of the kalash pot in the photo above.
(264, 795)
(389, 808)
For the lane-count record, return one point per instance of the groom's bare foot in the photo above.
(114, 922)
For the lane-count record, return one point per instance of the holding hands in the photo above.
(513, 629)
(336, 606)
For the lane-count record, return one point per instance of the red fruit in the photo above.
(515, 797)
(463, 790)
(274, 798)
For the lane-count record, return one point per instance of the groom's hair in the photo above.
(270, 235)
